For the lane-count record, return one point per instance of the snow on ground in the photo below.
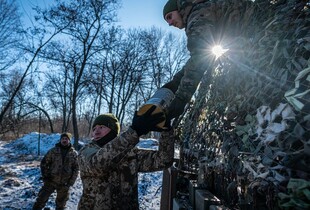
(20, 174)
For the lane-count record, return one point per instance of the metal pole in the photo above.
(39, 133)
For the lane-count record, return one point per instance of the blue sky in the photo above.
(144, 13)
(138, 13)
(132, 13)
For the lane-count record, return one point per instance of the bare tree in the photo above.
(58, 92)
(10, 33)
(89, 68)
(85, 21)
(124, 66)
(166, 55)
(6, 104)
(133, 65)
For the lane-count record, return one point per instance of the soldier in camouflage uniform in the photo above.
(207, 23)
(59, 170)
(110, 164)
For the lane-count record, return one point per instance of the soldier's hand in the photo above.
(147, 122)
(176, 108)
(167, 126)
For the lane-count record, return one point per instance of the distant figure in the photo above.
(59, 170)
(207, 23)
(109, 165)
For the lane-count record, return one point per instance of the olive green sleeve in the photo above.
(153, 160)
(93, 160)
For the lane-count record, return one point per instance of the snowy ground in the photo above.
(20, 175)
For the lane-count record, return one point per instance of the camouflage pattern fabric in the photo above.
(207, 23)
(110, 173)
(46, 191)
(58, 170)
(58, 174)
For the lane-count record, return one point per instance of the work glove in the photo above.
(147, 122)
(167, 126)
(176, 108)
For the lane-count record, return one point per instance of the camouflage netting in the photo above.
(247, 132)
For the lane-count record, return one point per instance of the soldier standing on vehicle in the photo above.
(207, 23)
(59, 170)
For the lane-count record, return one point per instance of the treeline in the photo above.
(74, 62)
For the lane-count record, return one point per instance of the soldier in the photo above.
(207, 23)
(110, 164)
(59, 170)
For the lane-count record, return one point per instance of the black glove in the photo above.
(176, 108)
(167, 126)
(147, 122)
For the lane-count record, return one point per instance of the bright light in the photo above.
(218, 51)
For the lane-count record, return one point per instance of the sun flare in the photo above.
(218, 51)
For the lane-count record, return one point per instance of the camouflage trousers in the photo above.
(46, 191)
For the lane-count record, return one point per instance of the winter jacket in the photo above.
(59, 170)
(110, 173)
(207, 23)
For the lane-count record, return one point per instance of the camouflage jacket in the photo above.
(207, 23)
(110, 173)
(58, 170)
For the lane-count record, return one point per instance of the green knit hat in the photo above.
(66, 134)
(170, 6)
(108, 120)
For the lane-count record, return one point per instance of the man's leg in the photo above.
(43, 196)
(62, 197)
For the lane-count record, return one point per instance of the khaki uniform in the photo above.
(110, 173)
(207, 23)
(59, 169)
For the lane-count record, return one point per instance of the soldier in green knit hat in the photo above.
(109, 165)
(207, 23)
(59, 170)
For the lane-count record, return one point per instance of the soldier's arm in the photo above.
(150, 160)
(46, 163)
(175, 82)
(200, 38)
(193, 71)
(114, 151)
(75, 170)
